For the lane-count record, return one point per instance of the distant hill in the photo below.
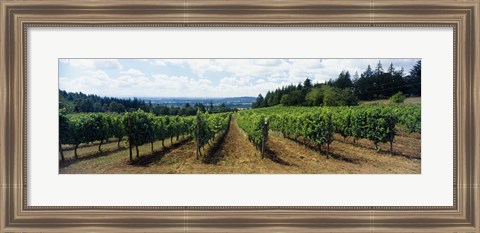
(72, 102)
(232, 102)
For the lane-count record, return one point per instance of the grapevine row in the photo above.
(314, 127)
(256, 127)
(207, 126)
(408, 115)
(142, 128)
(138, 126)
(318, 125)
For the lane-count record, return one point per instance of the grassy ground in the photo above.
(410, 100)
(233, 154)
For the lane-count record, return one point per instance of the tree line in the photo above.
(345, 90)
(83, 103)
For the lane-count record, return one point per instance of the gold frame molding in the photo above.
(17, 16)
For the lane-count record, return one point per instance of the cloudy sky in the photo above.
(202, 77)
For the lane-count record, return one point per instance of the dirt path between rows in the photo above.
(235, 155)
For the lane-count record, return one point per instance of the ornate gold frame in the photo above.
(17, 16)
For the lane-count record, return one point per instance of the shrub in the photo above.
(397, 98)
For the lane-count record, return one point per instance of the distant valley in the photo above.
(232, 102)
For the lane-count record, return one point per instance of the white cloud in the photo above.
(181, 85)
(239, 67)
(93, 82)
(94, 64)
(243, 86)
(131, 72)
(164, 62)
(233, 77)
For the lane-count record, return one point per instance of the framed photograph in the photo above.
(240, 116)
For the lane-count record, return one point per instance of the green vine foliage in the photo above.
(377, 123)
(138, 126)
(256, 127)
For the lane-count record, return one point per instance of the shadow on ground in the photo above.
(214, 155)
(155, 156)
(380, 150)
(324, 152)
(102, 153)
(272, 155)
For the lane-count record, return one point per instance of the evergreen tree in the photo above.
(258, 102)
(307, 83)
(343, 80)
(379, 69)
(414, 79)
(368, 73)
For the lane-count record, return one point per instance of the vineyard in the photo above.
(139, 128)
(318, 125)
(360, 139)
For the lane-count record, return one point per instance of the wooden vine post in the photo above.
(391, 143)
(130, 137)
(61, 150)
(329, 134)
(197, 131)
(392, 122)
(264, 136)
